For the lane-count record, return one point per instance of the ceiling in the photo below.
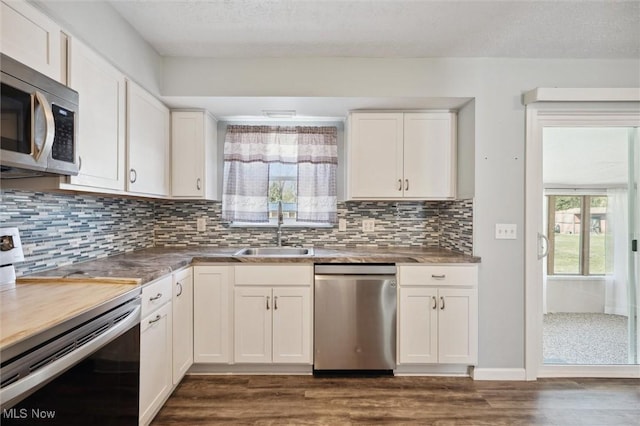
(387, 28)
(376, 28)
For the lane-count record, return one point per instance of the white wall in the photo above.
(99, 26)
(496, 85)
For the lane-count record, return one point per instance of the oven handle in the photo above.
(38, 378)
(38, 148)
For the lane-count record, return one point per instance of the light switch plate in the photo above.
(368, 225)
(506, 231)
(201, 224)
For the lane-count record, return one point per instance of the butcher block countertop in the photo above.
(47, 299)
(36, 305)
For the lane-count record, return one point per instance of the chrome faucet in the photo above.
(280, 222)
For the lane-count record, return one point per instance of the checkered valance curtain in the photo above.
(248, 151)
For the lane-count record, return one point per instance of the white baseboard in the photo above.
(510, 374)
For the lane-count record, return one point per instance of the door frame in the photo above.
(597, 113)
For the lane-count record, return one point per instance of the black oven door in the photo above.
(101, 388)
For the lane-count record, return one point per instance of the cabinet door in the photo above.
(212, 325)
(375, 155)
(156, 379)
(252, 324)
(292, 325)
(458, 326)
(147, 143)
(182, 323)
(429, 155)
(101, 135)
(187, 154)
(30, 37)
(418, 325)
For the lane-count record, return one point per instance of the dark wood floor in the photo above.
(300, 400)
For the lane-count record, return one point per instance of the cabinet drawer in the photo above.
(156, 294)
(438, 275)
(282, 274)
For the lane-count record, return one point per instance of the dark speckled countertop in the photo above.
(153, 263)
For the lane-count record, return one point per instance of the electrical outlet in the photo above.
(368, 225)
(506, 231)
(201, 224)
(342, 224)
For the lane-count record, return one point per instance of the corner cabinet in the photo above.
(30, 37)
(148, 147)
(438, 314)
(193, 155)
(272, 314)
(101, 128)
(401, 156)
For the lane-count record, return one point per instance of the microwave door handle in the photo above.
(41, 144)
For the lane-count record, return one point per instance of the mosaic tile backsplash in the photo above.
(60, 229)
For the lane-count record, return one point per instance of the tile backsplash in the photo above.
(61, 229)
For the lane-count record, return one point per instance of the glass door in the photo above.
(590, 297)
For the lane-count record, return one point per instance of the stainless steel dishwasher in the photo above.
(355, 317)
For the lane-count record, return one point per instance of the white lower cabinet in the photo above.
(438, 315)
(273, 314)
(272, 325)
(182, 323)
(211, 314)
(156, 343)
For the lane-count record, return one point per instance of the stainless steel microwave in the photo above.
(39, 122)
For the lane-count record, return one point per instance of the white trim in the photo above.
(546, 94)
(511, 374)
(537, 117)
(605, 371)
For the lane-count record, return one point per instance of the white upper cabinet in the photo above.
(101, 121)
(193, 155)
(148, 146)
(30, 37)
(401, 156)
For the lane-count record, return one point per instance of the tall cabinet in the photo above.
(101, 124)
(148, 147)
(401, 155)
(193, 155)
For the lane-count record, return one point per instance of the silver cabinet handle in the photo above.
(435, 303)
(156, 297)
(156, 319)
(441, 303)
(406, 184)
(275, 303)
(133, 175)
(399, 184)
(41, 145)
(268, 303)
(438, 277)
(199, 184)
(79, 163)
(544, 245)
(179, 284)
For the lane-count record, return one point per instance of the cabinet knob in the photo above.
(435, 302)
(438, 277)
(199, 184)
(156, 297)
(268, 303)
(179, 284)
(133, 175)
(79, 163)
(275, 303)
(156, 319)
(406, 184)
(441, 303)
(399, 184)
